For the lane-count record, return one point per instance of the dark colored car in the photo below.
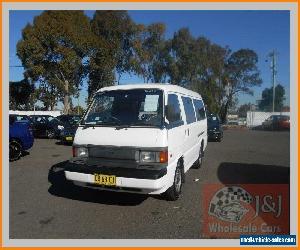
(46, 126)
(14, 117)
(20, 137)
(214, 128)
(277, 122)
(71, 123)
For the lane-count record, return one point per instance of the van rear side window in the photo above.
(189, 109)
(200, 111)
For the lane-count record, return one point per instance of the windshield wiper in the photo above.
(123, 126)
(87, 125)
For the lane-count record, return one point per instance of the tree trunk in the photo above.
(66, 98)
(223, 113)
(52, 105)
(224, 109)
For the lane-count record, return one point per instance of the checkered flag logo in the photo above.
(227, 203)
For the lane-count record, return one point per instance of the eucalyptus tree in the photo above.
(53, 51)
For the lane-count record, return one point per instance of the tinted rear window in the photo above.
(200, 111)
(189, 109)
(173, 112)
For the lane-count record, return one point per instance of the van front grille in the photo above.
(111, 152)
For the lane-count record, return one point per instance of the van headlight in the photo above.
(80, 152)
(153, 156)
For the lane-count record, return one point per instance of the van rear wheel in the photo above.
(199, 161)
(172, 194)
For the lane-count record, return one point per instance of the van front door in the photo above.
(176, 130)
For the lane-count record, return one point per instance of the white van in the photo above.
(139, 138)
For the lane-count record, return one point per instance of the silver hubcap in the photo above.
(14, 150)
(50, 133)
(178, 180)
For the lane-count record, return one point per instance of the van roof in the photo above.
(163, 86)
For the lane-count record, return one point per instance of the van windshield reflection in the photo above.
(135, 107)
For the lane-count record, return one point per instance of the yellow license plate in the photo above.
(107, 180)
(69, 138)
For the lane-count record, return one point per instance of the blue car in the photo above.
(20, 137)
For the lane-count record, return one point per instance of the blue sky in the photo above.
(261, 31)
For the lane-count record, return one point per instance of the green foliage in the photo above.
(240, 76)
(77, 110)
(53, 49)
(114, 32)
(47, 94)
(63, 48)
(148, 51)
(20, 94)
(243, 109)
(266, 103)
(241, 71)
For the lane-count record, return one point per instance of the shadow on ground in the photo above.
(64, 143)
(62, 188)
(242, 173)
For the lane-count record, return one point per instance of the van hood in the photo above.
(132, 136)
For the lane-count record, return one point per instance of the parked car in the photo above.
(46, 126)
(139, 138)
(277, 122)
(214, 128)
(20, 137)
(70, 127)
(16, 117)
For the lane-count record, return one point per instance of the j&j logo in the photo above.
(228, 204)
(245, 209)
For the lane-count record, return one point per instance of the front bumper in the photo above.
(132, 180)
(123, 184)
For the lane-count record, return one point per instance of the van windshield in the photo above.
(135, 107)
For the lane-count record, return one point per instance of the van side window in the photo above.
(189, 109)
(173, 112)
(200, 111)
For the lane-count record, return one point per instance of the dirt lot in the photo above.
(37, 210)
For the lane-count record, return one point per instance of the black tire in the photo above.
(173, 193)
(199, 161)
(50, 134)
(15, 150)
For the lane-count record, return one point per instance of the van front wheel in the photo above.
(174, 191)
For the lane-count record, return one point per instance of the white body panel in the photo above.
(136, 137)
(183, 141)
